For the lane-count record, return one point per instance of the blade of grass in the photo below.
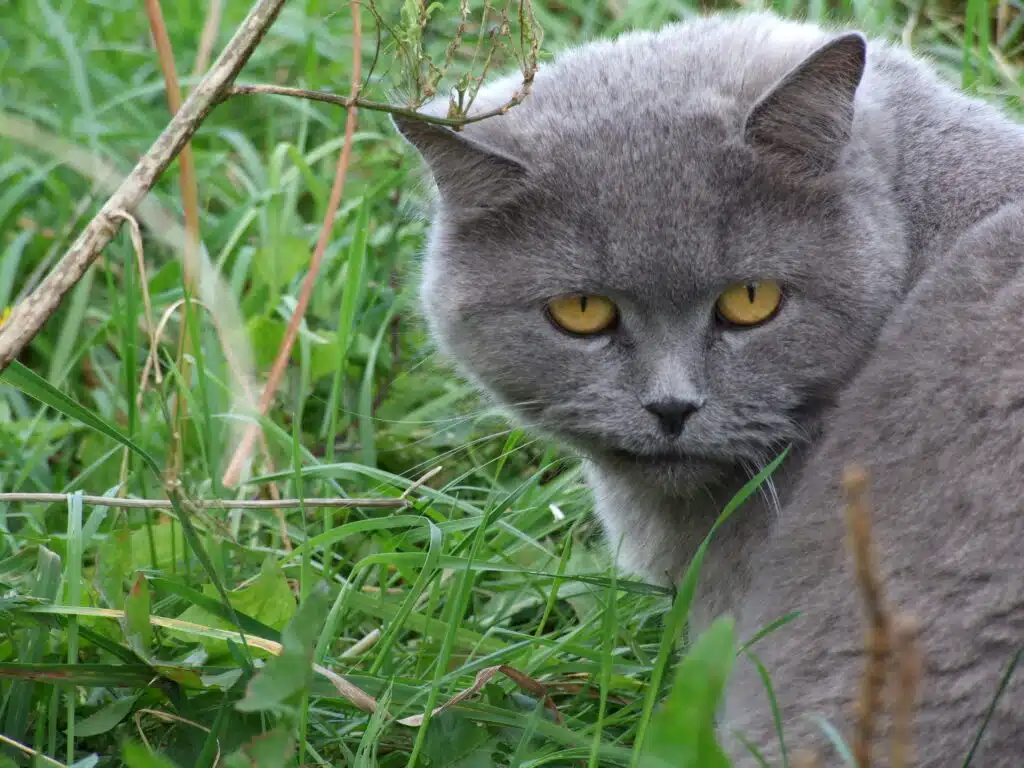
(681, 607)
(18, 702)
(73, 581)
(766, 680)
(40, 389)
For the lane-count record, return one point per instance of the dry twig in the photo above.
(907, 655)
(872, 590)
(234, 470)
(887, 636)
(30, 315)
(354, 102)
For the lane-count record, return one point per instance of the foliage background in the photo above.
(496, 562)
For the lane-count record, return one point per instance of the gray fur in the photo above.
(661, 167)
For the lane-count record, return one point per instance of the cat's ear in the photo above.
(807, 117)
(468, 173)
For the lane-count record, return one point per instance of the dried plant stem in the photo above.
(363, 645)
(29, 751)
(353, 102)
(116, 501)
(30, 314)
(908, 677)
(858, 523)
(805, 758)
(187, 182)
(241, 455)
(208, 37)
(190, 203)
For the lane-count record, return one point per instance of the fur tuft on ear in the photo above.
(468, 174)
(807, 117)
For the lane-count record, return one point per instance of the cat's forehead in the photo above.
(700, 70)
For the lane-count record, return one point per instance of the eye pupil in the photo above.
(745, 305)
(583, 315)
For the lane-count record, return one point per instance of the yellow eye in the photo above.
(583, 315)
(749, 303)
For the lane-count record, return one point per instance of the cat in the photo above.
(688, 249)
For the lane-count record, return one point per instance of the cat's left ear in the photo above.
(807, 117)
(468, 174)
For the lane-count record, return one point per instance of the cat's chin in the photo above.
(670, 472)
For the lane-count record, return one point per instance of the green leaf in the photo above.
(455, 741)
(268, 750)
(682, 734)
(105, 719)
(277, 266)
(265, 334)
(168, 545)
(137, 756)
(113, 564)
(165, 587)
(138, 630)
(267, 599)
(292, 671)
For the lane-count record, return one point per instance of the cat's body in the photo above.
(661, 168)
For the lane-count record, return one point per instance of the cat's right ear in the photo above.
(807, 117)
(468, 174)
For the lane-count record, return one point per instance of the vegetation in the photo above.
(122, 628)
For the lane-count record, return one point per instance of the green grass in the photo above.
(496, 561)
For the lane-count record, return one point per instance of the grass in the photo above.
(495, 563)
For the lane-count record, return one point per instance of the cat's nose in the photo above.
(672, 414)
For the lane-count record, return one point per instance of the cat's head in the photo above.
(674, 252)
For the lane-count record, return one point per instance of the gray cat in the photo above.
(688, 249)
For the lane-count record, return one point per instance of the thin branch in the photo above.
(234, 470)
(29, 315)
(29, 751)
(114, 501)
(379, 106)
